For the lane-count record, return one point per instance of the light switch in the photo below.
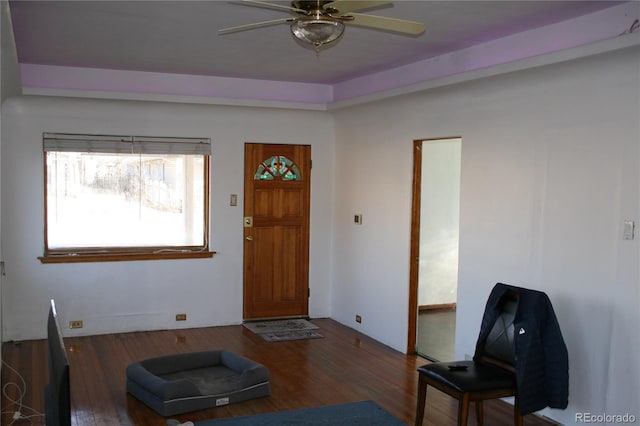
(233, 200)
(357, 219)
(628, 231)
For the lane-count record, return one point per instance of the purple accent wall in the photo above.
(88, 79)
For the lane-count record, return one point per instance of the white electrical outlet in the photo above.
(629, 228)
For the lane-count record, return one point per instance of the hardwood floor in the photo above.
(344, 366)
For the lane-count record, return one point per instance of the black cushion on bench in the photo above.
(175, 384)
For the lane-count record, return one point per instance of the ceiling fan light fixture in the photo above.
(317, 31)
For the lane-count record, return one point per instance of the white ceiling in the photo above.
(180, 36)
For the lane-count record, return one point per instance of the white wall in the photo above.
(9, 86)
(146, 295)
(10, 81)
(550, 169)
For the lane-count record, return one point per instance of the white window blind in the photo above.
(62, 142)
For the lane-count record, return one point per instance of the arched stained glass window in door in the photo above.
(277, 167)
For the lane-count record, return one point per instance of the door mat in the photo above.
(283, 330)
(279, 326)
(283, 336)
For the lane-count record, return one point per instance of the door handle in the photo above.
(249, 238)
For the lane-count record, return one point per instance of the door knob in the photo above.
(249, 238)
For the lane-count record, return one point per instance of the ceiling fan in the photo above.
(322, 22)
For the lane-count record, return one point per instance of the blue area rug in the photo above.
(365, 413)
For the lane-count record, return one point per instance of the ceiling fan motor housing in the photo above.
(313, 5)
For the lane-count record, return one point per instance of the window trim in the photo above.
(116, 254)
(121, 257)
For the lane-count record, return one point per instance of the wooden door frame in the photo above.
(414, 254)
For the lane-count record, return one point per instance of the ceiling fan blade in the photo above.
(346, 6)
(254, 25)
(389, 24)
(271, 5)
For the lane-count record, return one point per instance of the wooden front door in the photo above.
(276, 230)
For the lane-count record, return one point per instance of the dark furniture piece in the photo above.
(520, 352)
(57, 400)
(180, 383)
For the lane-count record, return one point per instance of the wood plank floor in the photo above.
(344, 366)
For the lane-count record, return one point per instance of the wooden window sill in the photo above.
(124, 257)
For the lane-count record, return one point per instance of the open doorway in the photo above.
(434, 245)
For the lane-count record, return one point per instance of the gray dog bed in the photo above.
(180, 383)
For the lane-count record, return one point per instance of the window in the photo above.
(125, 198)
(277, 167)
